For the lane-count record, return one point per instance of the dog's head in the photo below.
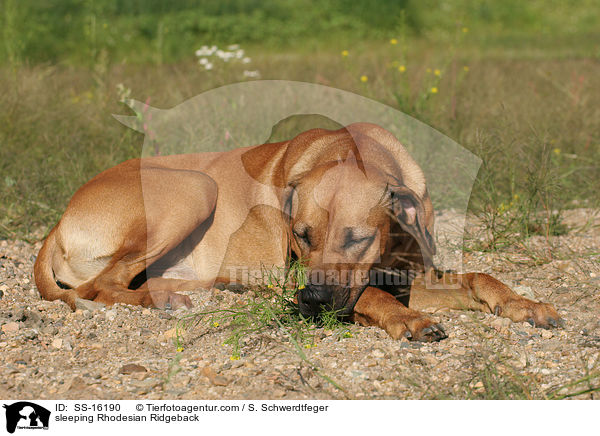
(344, 195)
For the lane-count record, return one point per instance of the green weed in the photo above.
(269, 307)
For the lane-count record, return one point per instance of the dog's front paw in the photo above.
(415, 328)
(170, 300)
(524, 310)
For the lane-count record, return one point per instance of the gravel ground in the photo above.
(125, 352)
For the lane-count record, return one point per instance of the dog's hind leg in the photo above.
(482, 292)
(116, 226)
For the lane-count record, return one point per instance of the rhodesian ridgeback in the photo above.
(347, 202)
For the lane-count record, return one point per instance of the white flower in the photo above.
(204, 51)
(239, 54)
(254, 74)
(208, 66)
(246, 60)
(203, 61)
(233, 47)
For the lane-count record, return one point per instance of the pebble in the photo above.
(57, 343)
(10, 328)
(377, 353)
(110, 315)
(131, 368)
(213, 377)
(50, 330)
(547, 334)
(90, 305)
(525, 291)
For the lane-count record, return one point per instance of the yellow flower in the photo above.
(437, 72)
(215, 324)
(466, 69)
(179, 349)
(301, 287)
(345, 53)
(393, 41)
(556, 151)
(348, 335)
(516, 197)
(465, 29)
(363, 78)
(306, 345)
(234, 357)
(402, 68)
(433, 90)
(270, 286)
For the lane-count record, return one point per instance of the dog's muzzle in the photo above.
(314, 299)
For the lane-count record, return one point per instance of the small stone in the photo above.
(377, 353)
(213, 377)
(10, 327)
(147, 385)
(110, 315)
(547, 334)
(132, 368)
(501, 324)
(279, 393)
(50, 330)
(140, 375)
(525, 291)
(92, 306)
(30, 334)
(57, 343)
(146, 312)
(173, 333)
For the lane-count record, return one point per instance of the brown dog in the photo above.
(348, 202)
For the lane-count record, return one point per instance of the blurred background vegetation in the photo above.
(517, 83)
(147, 30)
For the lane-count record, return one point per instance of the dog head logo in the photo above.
(26, 415)
(318, 177)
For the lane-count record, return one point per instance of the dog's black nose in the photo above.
(312, 297)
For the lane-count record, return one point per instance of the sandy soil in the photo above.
(124, 352)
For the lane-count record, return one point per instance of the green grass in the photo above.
(535, 123)
(527, 104)
(269, 307)
(81, 31)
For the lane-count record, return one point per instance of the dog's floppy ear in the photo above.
(411, 213)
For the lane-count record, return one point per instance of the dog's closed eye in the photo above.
(302, 234)
(354, 237)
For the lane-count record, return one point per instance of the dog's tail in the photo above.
(44, 275)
